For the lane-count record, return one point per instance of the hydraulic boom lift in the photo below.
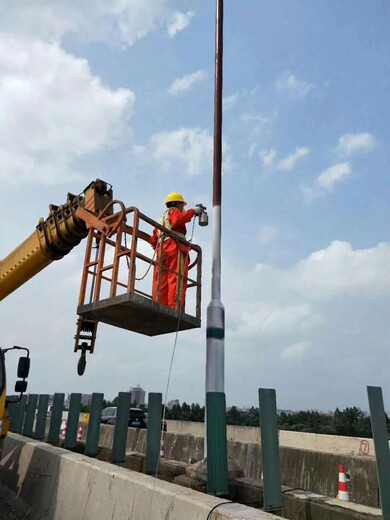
(110, 290)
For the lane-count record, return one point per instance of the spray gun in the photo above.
(203, 217)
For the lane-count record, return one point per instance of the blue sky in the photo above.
(124, 92)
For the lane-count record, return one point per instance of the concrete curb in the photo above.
(56, 483)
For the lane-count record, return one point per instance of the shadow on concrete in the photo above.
(9, 468)
(31, 476)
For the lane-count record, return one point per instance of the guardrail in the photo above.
(29, 417)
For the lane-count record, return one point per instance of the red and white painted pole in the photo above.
(215, 432)
(215, 353)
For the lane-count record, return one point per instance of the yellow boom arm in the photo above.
(53, 238)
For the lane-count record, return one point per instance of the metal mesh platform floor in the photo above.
(139, 314)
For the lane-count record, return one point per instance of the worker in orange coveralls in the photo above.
(175, 255)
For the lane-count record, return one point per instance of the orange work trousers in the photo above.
(172, 286)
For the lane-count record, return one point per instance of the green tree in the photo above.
(175, 413)
(197, 413)
(185, 412)
(252, 417)
(352, 422)
(233, 416)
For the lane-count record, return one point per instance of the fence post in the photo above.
(73, 421)
(272, 484)
(18, 414)
(121, 427)
(153, 433)
(56, 419)
(92, 442)
(30, 415)
(381, 444)
(40, 425)
(217, 466)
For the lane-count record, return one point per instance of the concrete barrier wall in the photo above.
(308, 469)
(355, 446)
(55, 484)
(311, 470)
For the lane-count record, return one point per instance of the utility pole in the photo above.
(215, 333)
(215, 356)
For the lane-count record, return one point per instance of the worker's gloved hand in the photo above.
(198, 211)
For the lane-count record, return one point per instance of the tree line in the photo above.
(351, 421)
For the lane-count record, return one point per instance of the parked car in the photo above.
(165, 423)
(136, 417)
(108, 414)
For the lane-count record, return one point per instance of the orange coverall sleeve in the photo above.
(154, 238)
(179, 218)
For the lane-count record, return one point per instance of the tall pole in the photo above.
(215, 355)
(215, 433)
(215, 329)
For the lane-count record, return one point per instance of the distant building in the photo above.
(137, 395)
(86, 400)
(172, 403)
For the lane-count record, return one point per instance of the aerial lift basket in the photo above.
(116, 286)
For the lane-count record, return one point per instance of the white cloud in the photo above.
(341, 270)
(268, 157)
(18, 169)
(326, 181)
(228, 102)
(187, 150)
(310, 193)
(295, 300)
(185, 83)
(295, 351)
(328, 308)
(295, 87)
(117, 21)
(333, 175)
(268, 320)
(242, 95)
(254, 118)
(355, 144)
(252, 149)
(178, 22)
(267, 234)
(53, 110)
(257, 128)
(290, 161)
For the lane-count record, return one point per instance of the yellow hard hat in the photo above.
(174, 197)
